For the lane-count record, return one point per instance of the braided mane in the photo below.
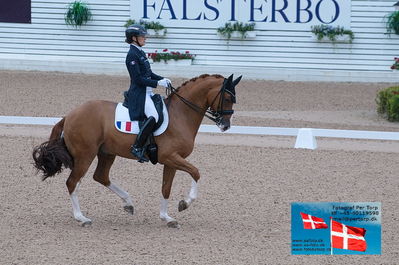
(199, 77)
(203, 76)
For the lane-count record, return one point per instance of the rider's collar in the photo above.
(138, 47)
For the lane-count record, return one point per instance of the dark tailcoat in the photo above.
(141, 77)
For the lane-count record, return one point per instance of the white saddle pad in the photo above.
(125, 125)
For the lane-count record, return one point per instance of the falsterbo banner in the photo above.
(336, 228)
(267, 14)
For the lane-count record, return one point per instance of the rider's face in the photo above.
(141, 40)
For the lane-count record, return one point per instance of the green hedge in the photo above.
(388, 103)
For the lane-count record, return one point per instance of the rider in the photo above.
(142, 80)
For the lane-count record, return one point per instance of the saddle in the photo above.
(125, 125)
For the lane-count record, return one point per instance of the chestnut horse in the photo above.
(88, 131)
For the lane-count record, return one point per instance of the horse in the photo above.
(88, 131)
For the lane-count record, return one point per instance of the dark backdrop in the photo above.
(16, 11)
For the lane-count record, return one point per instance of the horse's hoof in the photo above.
(129, 209)
(86, 224)
(173, 224)
(182, 205)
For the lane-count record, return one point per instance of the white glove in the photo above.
(169, 82)
(164, 82)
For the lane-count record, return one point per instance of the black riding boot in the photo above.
(138, 148)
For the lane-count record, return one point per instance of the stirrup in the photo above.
(139, 154)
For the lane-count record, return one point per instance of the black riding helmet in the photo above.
(134, 31)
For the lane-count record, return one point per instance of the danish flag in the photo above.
(347, 237)
(312, 222)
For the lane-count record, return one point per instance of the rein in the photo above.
(215, 116)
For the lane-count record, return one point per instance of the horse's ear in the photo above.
(235, 82)
(229, 82)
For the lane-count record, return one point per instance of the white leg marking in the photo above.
(121, 193)
(164, 211)
(77, 213)
(192, 196)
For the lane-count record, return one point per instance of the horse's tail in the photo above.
(50, 156)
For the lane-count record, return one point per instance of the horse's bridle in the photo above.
(214, 115)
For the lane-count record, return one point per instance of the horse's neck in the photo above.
(183, 115)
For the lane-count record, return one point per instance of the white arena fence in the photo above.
(305, 137)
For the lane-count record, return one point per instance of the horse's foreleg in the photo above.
(181, 164)
(192, 196)
(168, 175)
(101, 175)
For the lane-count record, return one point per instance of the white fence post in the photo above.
(305, 139)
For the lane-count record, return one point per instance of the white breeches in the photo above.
(149, 108)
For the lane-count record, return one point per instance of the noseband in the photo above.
(220, 112)
(215, 116)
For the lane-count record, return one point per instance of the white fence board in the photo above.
(121, 16)
(373, 3)
(60, 7)
(191, 46)
(90, 25)
(13, 35)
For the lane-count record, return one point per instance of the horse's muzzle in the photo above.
(224, 128)
(224, 125)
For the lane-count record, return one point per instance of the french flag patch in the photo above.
(124, 125)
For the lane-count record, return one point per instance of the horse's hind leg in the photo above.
(79, 170)
(101, 175)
